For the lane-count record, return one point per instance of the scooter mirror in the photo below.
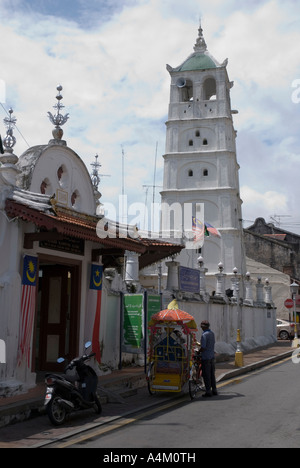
(88, 344)
(60, 360)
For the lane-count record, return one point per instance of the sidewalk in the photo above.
(120, 384)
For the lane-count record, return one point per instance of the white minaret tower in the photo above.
(200, 164)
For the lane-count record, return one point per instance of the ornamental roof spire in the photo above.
(10, 140)
(8, 160)
(200, 45)
(58, 119)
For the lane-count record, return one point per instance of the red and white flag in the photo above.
(28, 301)
(93, 314)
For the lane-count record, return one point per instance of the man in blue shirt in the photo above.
(208, 360)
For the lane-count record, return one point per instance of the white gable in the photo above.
(57, 170)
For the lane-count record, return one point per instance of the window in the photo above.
(76, 200)
(197, 134)
(185, 90)
(204, 141)
(60, 172)
(73, 198)
(62, 175)
(191, 173)
(191, 143)
(205, 172)
(45, 187)
(210, 89)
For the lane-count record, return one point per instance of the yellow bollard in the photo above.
(239, 356)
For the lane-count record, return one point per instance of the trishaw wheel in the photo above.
(196, 386)
(193, 388)
(150, 378)
(150, 389)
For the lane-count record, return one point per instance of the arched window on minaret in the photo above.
(210, 89)
(191, 173)
(186, 90)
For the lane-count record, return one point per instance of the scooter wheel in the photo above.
(98, 407)
(56, 413)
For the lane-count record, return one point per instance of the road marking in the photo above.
(113, 426)
(125, 421)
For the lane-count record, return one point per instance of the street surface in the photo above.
(259, 409)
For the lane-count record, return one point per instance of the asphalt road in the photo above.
(259, 410)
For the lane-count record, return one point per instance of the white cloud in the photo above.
(116, 87)
(264, 205)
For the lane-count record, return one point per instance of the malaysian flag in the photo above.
(200, 231)
(28, 300)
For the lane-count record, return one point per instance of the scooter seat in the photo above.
(70, 378)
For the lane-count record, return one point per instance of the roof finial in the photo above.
(95, 173)
(200, 45)
(9, 141)
(8, 159)
(58, 119)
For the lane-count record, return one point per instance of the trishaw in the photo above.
(171, 350)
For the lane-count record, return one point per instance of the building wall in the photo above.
(273, 253)
(257, 324)
(283, 255)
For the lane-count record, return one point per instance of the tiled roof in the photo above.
(70, 223)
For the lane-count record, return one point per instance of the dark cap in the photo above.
(205, 324)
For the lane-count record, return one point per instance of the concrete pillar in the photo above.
(220, 287)
(132, 267)
(172, 281)
(268, 292)
(235, 287)
(202, 271)
(249, 291)
(259, 291)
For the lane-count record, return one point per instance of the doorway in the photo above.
(57, 315)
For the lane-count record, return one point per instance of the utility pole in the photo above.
(153, 186)
(124, 216)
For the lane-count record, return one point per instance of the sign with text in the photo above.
(189, 279)
(153, 305)
(289, 303)
(133, 322)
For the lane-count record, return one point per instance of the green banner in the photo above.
(153, 306)
(133, 320)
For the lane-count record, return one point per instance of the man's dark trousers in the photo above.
(208, 374)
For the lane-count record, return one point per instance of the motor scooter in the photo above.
(68, 393)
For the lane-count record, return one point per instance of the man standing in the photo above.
(208, 360)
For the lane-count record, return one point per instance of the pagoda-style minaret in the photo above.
(200, 164)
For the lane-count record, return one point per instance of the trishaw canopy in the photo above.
(173, 315)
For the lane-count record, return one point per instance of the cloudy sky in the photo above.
(110, 57)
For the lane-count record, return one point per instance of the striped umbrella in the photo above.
(173, 315)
